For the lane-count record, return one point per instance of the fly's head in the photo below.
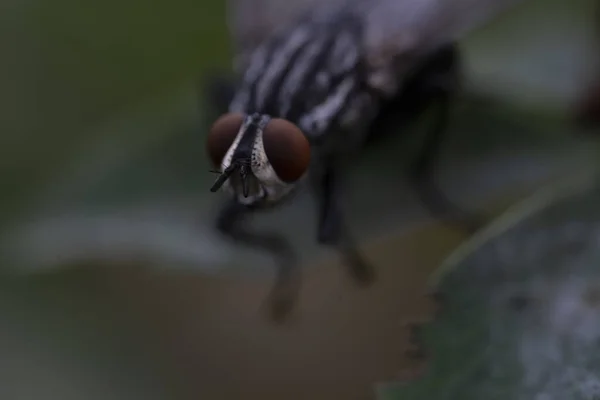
(260, 158)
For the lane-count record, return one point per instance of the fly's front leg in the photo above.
(441, 89)
(331, 225)
(286, 287)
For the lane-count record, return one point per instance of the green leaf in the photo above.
(519, 306)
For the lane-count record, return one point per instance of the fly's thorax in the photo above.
(310, 73)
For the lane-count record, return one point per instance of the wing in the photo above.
(396, 31)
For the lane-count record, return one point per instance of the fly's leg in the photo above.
(441, 89)
(434, 83)
(287, 282)
(331, 225)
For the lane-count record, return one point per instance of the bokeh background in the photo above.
(114, 284)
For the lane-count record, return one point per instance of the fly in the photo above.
(320, 86)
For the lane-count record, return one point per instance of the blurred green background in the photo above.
(72, 67)
(103, 168)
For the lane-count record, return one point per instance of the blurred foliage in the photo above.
(539, 55)
(70, 66)
(519, 305)
(69, 338)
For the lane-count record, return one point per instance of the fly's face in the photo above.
(260, 158)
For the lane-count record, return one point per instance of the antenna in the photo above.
(244, 175)
(223, 177)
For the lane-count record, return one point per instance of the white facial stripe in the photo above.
(261, 167)
(229, 155)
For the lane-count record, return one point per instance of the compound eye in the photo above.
(222, 135)
(287, 149)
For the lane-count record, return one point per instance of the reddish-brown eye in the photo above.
(221, 136)
(287, 149)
